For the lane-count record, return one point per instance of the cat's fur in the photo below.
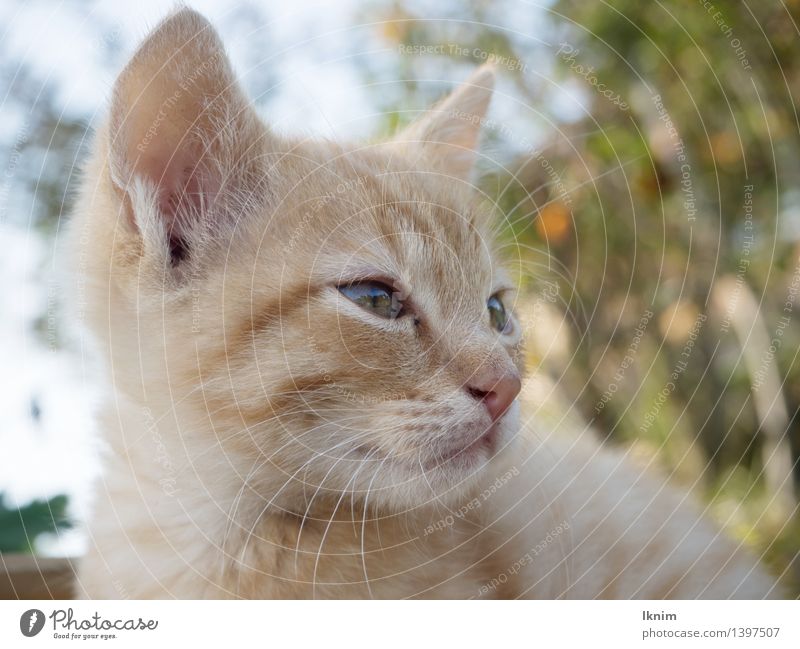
(269, 438)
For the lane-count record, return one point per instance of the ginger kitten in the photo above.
(313, 370)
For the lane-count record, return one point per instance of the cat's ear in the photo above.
(447, 134)
(180, 131)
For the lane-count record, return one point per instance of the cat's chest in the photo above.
(383, 559)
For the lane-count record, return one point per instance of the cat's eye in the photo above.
(376, 297)
(498, 315)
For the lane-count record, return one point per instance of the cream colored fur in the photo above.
(268, 438)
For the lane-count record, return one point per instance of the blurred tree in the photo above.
(20, 527)
(672, 192)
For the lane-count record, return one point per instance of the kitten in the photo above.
(313, 368)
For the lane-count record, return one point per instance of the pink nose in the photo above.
(496, 392)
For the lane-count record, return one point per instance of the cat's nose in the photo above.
(497, 392)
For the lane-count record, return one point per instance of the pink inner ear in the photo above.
(167, 108)
(185, 190)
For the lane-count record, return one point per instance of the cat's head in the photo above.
(329, 319)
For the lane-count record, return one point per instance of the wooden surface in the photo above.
(25, 576)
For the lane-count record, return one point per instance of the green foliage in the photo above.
(20, 527)
(657, 206)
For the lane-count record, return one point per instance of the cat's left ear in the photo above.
(182, 128)
(447, 135)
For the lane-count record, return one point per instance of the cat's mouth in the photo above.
(470, 453)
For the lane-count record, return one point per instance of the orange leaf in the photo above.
(553, 222)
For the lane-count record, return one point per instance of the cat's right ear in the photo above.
(446, 136)
(181, 134)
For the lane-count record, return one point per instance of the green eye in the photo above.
(374, 296)
(498, 315)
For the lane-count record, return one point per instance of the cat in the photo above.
(313, 368)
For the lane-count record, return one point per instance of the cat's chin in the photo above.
(470, 455)
(469, 452)
(451, 473)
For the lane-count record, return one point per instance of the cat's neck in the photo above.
(352, 551)
(254, 527)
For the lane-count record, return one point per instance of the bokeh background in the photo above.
(643, 161)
